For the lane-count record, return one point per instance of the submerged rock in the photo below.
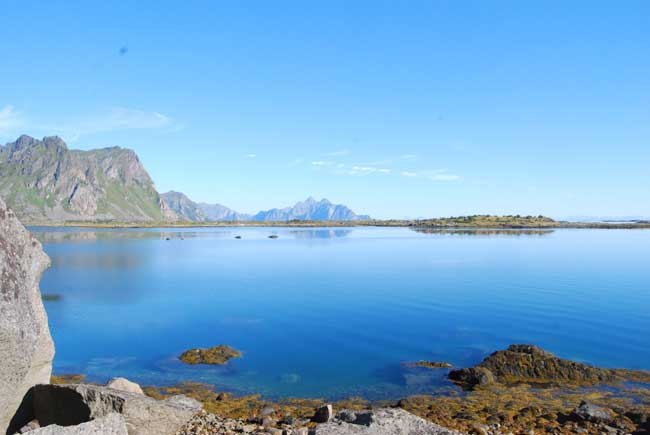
(379, 422)
(530, 364)
(26, 347)
(68, 405)
(430, 364)
(215, 355)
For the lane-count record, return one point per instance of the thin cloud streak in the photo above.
(114, 119)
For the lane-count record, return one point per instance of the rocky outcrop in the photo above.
(379, 422)
(112, 424)
(124, 384)
(530, 364)
(68, 405)
(590, 412)
(26, 347)
(44, 181)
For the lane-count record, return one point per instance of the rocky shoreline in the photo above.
(521, 390)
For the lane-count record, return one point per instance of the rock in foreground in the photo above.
(379, 422)
(26, 347)
(215, 355)
(124, 384)
(68, 405)
(112, 424)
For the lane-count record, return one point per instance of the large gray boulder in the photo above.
(26, 347)
(379, 422)
(68, 405)
(124, 384)
(112, 424)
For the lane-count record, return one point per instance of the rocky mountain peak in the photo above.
(44, 181)
(54, 142)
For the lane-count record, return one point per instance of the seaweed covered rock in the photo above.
(472, 377)
(215, 355)
(530, 364)
(26, 347)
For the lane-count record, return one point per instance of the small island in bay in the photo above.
(217, 355)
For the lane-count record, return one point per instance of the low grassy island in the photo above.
(218, 355)
(489, 221)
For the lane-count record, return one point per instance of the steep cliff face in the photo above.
(44, 181)
(26, 347)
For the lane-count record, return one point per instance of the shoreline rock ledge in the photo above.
(382, 421)
(26, 346)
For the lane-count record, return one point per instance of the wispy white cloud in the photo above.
(367, 170)
(112, 119)
(340, 165)
(435, 175)
(445, 177)
(441, 175)
(320, 163)
(250, 156)
(121, 118)
(10, 120)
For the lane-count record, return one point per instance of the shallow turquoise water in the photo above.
(334, 312)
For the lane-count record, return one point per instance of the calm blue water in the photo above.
(334, 312)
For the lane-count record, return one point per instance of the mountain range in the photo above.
(310, 209)
(45, 182)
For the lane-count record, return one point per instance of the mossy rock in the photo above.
(215, 355)
(524, 363)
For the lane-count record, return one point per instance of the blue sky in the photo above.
(397, 109)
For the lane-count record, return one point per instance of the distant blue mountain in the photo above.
(310, 209)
